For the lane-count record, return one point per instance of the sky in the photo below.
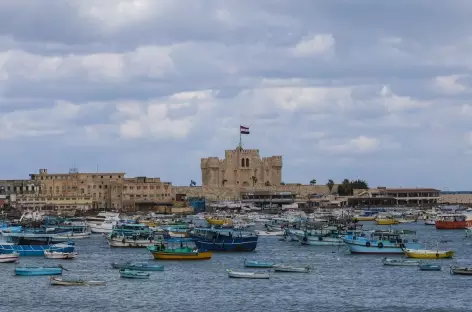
(356, 89)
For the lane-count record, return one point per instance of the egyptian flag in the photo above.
(244, 130)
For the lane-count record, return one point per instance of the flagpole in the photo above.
(240, 138)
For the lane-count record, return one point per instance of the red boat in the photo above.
(454, 221)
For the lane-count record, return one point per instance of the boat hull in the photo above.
(34, 250)
(61, 282)
(429, 255)
(230, 245)
(287, 269)
(386, 222)
(429, 267)
(60, 255)
(134, 274)
(257, 264)
(37, 271)
(249, 275)
(320, 240)
(130, 243)
(453, 225)
(159, 255)
(9, 258)
(460, 271)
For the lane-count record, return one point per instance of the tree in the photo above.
(313, 182)
(254, 180)
(282, 183)
(347, 187)
(330, 185)
(359, 184)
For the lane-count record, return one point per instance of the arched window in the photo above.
(247, 162)
(242, 162)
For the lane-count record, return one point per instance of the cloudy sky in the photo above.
(378, 90)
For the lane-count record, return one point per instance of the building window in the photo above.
(242, 162)
(247, 162)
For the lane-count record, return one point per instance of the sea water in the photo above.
(338, 282)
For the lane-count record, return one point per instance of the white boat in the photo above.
(57, 281)
(9, 258)
(72, 235)
(430, 222)
(60, 255)
(102, 216)
(289, 268)
(400, 262)
(129, 242)
(269, 233)
(106, 226)
(253, 275)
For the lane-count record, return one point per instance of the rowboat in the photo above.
(461, 270)
(289, 268)
(133, 274)
(269, 233)
(429, 267)
(165, 252)
(400, 262)
(56, 281)
(37, 271)
(428, 254)
(253, 275)
(60, 255)
(258, 264)
(138, 266)
(386, 221)
(9, 257)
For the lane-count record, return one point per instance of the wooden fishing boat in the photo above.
(56, 281)
(133, 274)
(364, 218)
(9, 257)
(184, 252)
(252, 275)
(60, 255)
(460, 270)
(429, 267)
(37, 271)
(258, 264)
(138, 266)
(386, 221)
(400, 262)
(289, 268)
(428, 254)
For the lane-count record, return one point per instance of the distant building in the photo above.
(241, 168)
(383, 196)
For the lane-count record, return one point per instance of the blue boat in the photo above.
(37, 271)
(34, 250)
(137, 266)
(258, 264)
(133, 274)
(379, 242)
(430, 267)
(224, 240)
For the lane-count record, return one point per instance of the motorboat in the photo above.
(60, 255)
(258, 264)
(9, 257)
(251, 275)
(400, 262)
(292, 269)
(124, 273)
(428, 254)
(37, 271)
(137, 266)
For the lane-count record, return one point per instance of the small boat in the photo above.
(37, 271)
(133, 274)
(184, 252)
(253, 275)
(386, 221)
(429, 267)
(400, 262)
(461, 270)
(289, 268)
(428, 254)
(258, 264)
(60, 255)
(9, 257)
(56, 281)
(137, 266)
(364, 218)
(430, 222)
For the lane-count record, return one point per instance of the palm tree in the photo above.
(313, 182)
(330, 185)
(254, 180)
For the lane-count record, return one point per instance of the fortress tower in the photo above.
(241, 167)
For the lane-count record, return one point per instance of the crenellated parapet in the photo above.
(210, 162)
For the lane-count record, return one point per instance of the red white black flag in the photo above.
(244, 130)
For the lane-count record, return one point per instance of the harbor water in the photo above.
(338, 282)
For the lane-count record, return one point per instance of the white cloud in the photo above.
(396, 103)
(358, 145)
(314, 45)
(449, 84)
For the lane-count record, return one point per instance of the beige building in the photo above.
(241, 168)
(143, 191)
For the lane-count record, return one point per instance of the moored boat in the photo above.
(379, 242)
(460, 270)
(164, 251)
(37, 271)
(454, 221)
(429, 267)
(386, 221)
(133, 274)
(224, 240)
(34, 250)
(138, 266)
(269, 233)
(251, 275)
(258, 264)
(293, 269)
(50, 254)
(56, 281)
(400, 262)
(9, 258)
(428, 254)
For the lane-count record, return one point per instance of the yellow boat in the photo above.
(219, 221)
(163, 252)
(428, 254)
(386, 221)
